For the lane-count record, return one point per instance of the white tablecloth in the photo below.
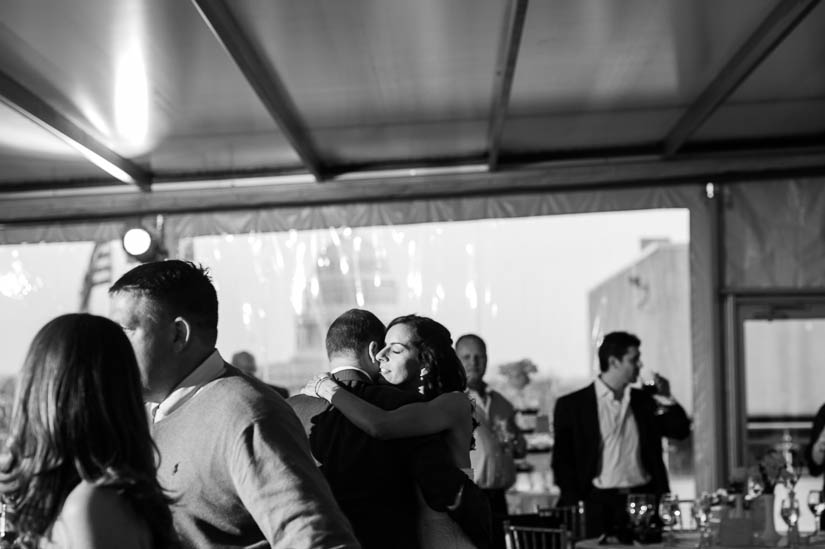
(687, 539)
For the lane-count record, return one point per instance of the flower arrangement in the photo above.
(771, 470)
(721, 497)
(523, 366)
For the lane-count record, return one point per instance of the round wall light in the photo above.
(137, 241)
(142, 245)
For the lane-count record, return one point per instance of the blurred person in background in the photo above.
(499, 441)
(245, 362)
(78, 467)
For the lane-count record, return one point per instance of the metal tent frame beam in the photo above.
(514, 17)
(30, 208)
(264, 80)
(33, 107)
(776, 26)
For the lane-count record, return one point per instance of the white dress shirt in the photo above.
(209, 369)
(621, 462)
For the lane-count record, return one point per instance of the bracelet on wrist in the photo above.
(317, 386)
(326, 388)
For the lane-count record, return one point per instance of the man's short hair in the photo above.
(179, 288)
(472, 337)
(353, 331)
(615, 344)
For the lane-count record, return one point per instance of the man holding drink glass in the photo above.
(608, 437)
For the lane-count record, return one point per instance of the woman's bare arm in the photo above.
(415, 419)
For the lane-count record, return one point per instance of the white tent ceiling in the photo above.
(209, 105)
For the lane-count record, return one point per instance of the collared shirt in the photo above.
(209, 369)
(621, 462)
(357, 369)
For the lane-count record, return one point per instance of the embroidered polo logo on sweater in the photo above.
(175, 469)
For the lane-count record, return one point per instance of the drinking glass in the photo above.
(790, 514)
(633, 509)
(701, 514)
(649, 385)
(640, 507)
(817, 507)
(670, 514)
(652, 388)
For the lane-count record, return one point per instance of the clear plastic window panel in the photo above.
(541, 291)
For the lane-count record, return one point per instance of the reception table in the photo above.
(682, 539)
(686, 539)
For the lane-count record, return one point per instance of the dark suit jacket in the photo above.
(374, 480)
(283, 391)
(578, 440)
(816, 429)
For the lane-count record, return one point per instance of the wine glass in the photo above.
(640, 507)
(701, 510)
(817, 507)
(670, 514)
(633, 508)
(790, 514)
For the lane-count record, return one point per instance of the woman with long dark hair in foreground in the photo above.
(78, 467)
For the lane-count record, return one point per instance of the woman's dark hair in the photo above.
(435, 351)
(78, 416)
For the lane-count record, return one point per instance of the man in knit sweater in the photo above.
(233, 456)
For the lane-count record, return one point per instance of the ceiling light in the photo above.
(142, 245)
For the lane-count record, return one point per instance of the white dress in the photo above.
(437, 530)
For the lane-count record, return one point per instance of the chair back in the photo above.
(535, 537)
(572, 517)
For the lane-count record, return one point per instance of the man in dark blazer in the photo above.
(374, 481)
(815, 450)
(608, 437)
